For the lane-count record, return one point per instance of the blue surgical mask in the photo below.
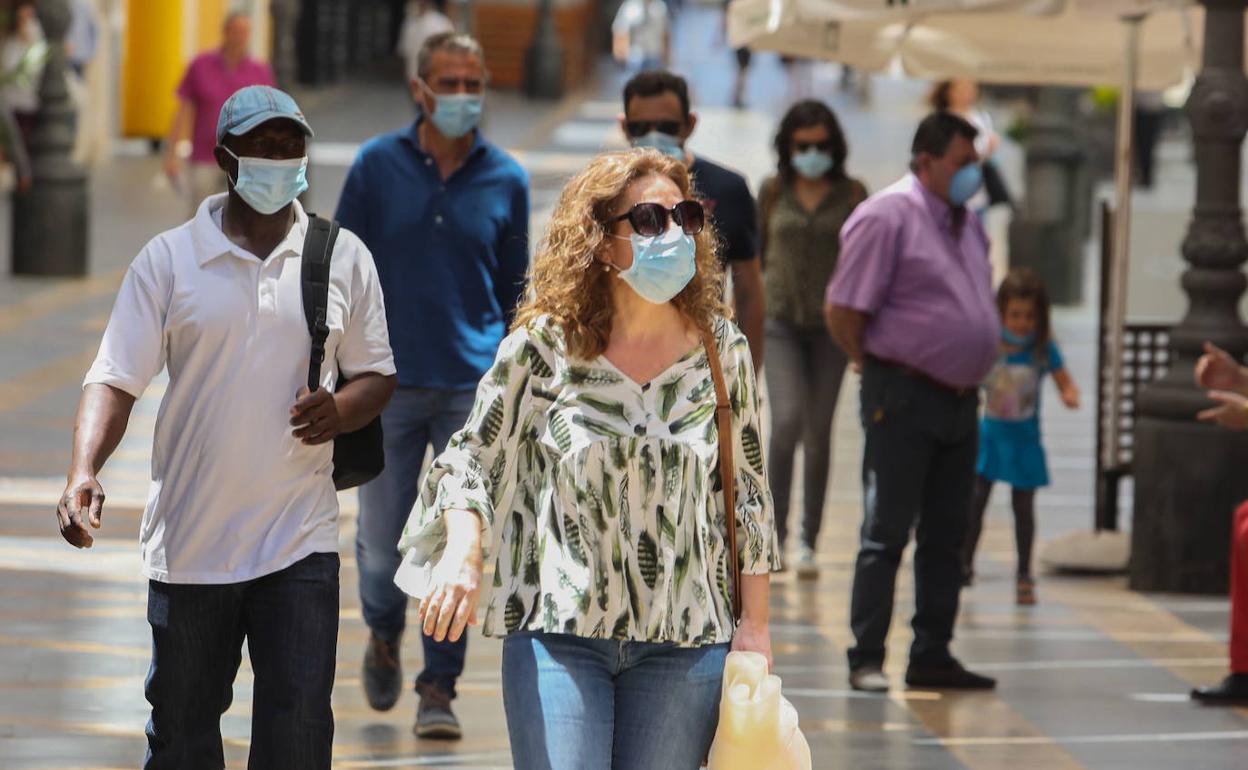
(1015, 340)
(663, 265)
(664, 143)
(812, 164)
(269, 186)
(455, 115)
(965, 183)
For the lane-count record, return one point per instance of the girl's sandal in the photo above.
(1025, 593)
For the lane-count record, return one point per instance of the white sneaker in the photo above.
(807, 567)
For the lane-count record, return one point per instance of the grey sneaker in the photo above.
(383, 674)
(807, 567)
(434, 718)
(868, 679)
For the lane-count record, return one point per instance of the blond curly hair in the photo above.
(567, 282)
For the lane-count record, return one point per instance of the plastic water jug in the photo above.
(757, 727)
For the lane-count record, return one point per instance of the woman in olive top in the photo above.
(802, 209)
(588, 477)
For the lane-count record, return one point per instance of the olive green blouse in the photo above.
(801, 248)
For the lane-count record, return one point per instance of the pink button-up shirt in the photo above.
(208, 82)
(926, 286)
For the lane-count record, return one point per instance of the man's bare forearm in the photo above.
(363, 398)
(848, 328)
(103, 413)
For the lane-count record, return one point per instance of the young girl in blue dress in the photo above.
(1009, 435)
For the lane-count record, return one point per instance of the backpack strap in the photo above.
(727, 472)
(318, 248)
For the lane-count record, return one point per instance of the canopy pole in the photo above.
(1121, 250)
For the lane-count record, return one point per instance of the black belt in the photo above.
(910, 371)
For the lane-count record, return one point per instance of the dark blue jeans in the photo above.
(290, 622)
(414, 419)
(918, 473)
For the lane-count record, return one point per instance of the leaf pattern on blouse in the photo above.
(594, 493)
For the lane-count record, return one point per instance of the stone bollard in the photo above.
(50, 220)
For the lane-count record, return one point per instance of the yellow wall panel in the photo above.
(152, 64)
(211, 18)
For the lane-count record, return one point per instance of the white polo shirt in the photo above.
(234, 495)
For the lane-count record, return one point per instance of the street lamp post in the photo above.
(1189, 476)
(1048, 237)
(50, 220)
(543, 62)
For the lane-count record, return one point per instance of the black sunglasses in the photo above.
(639, 128)
(824, 146)
(650, 219)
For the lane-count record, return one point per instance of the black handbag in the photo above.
(358, 455)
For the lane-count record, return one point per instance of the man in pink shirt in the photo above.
(911, 303)
(211, 78)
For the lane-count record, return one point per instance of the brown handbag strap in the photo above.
(727, 472)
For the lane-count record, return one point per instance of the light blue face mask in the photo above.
(665, 143)
(455, 115)
(663, 265)
(269, 186)
(1017, 340)
(812, 164)
(965, 183)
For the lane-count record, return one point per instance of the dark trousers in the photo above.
(804, 372)
(290, 622)
(1024, 501)
(1147, 127)
(918, 466)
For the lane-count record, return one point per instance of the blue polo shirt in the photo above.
(451, 254)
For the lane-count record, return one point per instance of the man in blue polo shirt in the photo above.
(446, 215)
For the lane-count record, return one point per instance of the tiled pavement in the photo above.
(1093, 677)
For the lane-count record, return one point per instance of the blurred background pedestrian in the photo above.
(642, 35)
(210, 79)
(801, 211)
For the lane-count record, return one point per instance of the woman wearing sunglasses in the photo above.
(588, 478)
(802, 209)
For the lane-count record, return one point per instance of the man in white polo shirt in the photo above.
(240, 535)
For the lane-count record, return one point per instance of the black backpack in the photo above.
(358, 456)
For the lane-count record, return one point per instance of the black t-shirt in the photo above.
(727, 199)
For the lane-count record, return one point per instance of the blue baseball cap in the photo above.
(253, 105)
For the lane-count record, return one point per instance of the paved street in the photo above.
(1094, 677)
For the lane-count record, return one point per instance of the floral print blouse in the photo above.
(601, 497)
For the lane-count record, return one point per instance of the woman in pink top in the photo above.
(210, 79)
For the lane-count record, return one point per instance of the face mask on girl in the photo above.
(268, 186)
(1017, 340)
(663, 265)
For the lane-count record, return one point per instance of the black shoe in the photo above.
(434, 718)
(383, 675)
(1232, 691)
(947, 676)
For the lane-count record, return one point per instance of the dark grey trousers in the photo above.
(804, 372)
(918, 470)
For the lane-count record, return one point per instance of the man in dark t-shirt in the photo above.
(657, 115)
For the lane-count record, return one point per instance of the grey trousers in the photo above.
(804, 372)
(918, 471)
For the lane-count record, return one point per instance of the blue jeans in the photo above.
(596, 704)
(415, 418)
(290, 622)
